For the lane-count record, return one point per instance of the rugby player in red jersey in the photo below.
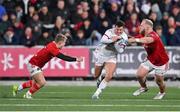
(38, 61)
(157, 58)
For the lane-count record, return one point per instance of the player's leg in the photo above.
(98, 76)
(110, 69)
(160, 82)
(22, 86)
(26, 85)
(32, 70)
(97, 71)
(141, 76)
(99, 64)
(159, 78)
(39, 83)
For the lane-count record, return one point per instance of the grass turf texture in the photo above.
(78, 98)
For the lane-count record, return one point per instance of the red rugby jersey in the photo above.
(157, 54)
(45, 54)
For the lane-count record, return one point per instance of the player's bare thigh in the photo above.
(159, 73)
(39, 79)
(110, 68)
(142, 71)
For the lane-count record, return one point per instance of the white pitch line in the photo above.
(52, 99)
(85, 105)
(113, 93)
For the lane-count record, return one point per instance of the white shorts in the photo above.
(33, 69)
(159, 70)
(100, 60)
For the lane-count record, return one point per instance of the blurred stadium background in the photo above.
(28, 25)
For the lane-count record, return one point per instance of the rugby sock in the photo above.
(28, 93)
(25, 85)
(102, 86)
(35, 87)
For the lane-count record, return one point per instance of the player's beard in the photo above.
(142, 32)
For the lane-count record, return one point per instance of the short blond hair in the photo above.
(148, 22)
(60, 37)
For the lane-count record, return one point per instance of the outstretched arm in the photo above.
(68, 58)
(144, 40)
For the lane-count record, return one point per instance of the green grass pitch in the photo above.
(78, 98)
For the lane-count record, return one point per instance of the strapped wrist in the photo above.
(137, 40)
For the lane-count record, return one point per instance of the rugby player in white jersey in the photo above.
(113, 42)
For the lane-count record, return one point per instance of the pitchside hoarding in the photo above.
(13, 61)
(130, 59)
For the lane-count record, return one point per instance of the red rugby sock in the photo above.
(27, 84)
(35, 87)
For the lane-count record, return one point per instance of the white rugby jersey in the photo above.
(107, 39)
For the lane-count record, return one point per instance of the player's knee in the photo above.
(140, 76)
(42, 83)
(108, 76)
(159, 81)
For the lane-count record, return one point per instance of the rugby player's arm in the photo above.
(106, 39)
(66, 58)
(144, 40)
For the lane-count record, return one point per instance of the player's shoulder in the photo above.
(153, 34)
(109, 31)
(51, 45)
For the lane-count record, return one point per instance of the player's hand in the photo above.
(131, 40)
(115, 38)
(79, 59)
